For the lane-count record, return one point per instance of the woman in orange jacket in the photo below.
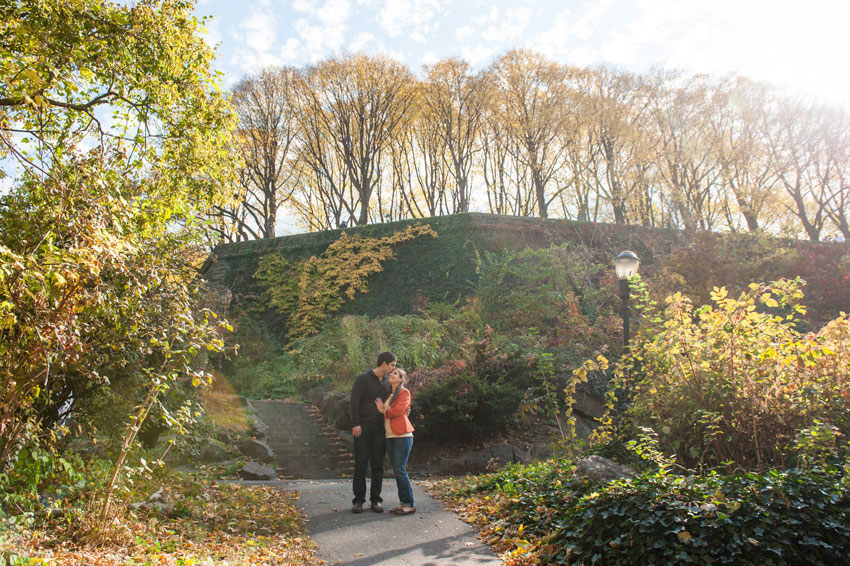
(399, 433)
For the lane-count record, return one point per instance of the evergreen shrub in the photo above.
(475, 402)
(546, 513)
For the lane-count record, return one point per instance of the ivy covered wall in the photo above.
(443, 269)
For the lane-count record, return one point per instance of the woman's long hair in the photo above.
(403, 375)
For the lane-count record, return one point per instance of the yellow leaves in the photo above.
(718, 294)
(322, 284)
(769, 301)
(684, 536)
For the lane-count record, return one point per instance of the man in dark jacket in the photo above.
(368, 431)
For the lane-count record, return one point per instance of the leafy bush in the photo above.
(790, 517)
(350, 345)
(554, 291)
(310, 290)
(269, 379)
(548, 515)
(40, 481)
(734, 384)
(345, 347)
(476, 401)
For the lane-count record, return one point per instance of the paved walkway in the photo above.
(306, 448)
(432, 536)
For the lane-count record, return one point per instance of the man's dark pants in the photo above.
(369, 449)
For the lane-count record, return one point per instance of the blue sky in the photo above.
(800, 45)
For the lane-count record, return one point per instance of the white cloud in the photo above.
(585, 27)
(399, 16)
(323, 30)
(464, 32)
(799, 45)
(429, 58)
(259, 34)
(479, 55)
(361, 41)
(553, 42)
(290, 51)
(508, 28)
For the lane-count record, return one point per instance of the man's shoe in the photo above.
(377, 507)
(357, 508)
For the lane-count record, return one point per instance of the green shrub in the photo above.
(275, 378)
(40, 481)
(465, 407)
(350, 345)
(792, 517)
(734, 384)
(478, 401)
(548, 513)
(554, 291)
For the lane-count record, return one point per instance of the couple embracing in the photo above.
(380, 404)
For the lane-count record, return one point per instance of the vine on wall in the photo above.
(308, 291)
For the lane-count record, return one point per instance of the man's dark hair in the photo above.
(386, 358)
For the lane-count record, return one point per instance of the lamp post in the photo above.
(626, 265)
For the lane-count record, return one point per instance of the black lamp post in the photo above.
(626, 265)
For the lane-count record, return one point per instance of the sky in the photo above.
(801, 46)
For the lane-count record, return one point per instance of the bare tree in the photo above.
(506, 178)
(832, 167)
(265, 141)
(741, 113)
(795, 147)
(420, 167)
(453, 98)
(530, 95)
(685, 158)
(356, 103)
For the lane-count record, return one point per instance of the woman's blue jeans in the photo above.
(398, 449)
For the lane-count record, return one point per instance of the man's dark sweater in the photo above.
(367, 387)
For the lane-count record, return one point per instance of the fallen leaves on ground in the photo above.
(210, 524)
(487, 514)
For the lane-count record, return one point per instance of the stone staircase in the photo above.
(304, 445)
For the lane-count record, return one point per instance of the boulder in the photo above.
(259, 429)
(213, 451)
(602, 469)
(481, 461)
(255, 450)
(256, 472)
(156, 502)
(587, 404)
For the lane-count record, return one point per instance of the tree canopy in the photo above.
(115, 133)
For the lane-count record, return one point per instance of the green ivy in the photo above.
(547, 512)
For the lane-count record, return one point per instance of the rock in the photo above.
(587, 404)
(255, 449)
(584, 426)
(602, 469)
(256, 472)
(156, 502)
(485, 460)
(213, 451)
(223, 436)
(259, 429)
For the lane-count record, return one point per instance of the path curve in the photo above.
(433, 536)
